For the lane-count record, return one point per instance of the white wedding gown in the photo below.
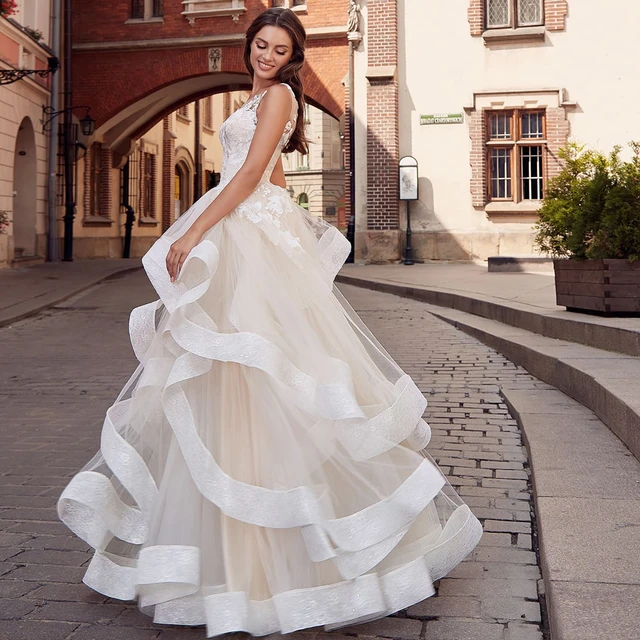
(262, 470)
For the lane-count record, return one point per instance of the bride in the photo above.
(262, 470)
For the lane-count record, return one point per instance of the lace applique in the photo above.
(266, 207)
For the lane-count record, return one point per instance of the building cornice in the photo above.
(232, 39)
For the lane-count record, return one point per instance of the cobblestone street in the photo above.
(64, 367)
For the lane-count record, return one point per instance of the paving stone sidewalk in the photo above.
(63, 368)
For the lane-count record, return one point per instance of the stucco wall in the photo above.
(441, 67)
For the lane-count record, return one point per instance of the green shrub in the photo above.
(592, 208)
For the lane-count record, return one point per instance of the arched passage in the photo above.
(183, 172)
(25, 190)
(120, 130)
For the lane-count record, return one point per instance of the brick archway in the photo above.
(120, 68)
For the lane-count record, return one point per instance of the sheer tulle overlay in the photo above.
(262, 470)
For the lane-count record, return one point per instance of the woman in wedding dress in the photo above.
(263, 469)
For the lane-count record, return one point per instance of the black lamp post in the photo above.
(408, 190)
(87, 125)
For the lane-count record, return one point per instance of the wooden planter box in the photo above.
(606, 287)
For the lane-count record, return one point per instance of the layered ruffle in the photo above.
(382, 556)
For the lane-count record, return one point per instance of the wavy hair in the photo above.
(290, 73)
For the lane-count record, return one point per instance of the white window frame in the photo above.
(291, 4)
(195, 9)
(148, 14)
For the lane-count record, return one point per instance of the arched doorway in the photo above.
(183, 188)
(25, 191)
(303, 201)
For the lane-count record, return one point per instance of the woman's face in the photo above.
(271, 50)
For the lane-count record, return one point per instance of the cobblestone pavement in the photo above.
(63, 368)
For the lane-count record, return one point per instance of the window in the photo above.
(208, 112)
(303, 201)
(95, 179)
(147, 9)
(505, 14)
(137, 9)
(183, 111)
(148, 184)
(516, 149)
(289, 3)
(302, 161)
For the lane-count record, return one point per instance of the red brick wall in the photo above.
(555, 14)
(478, 160)
(106, 21)
(557, 137)
(168, 175)
(475, 15)
(382, 118)
(108, 81)
(347, 162)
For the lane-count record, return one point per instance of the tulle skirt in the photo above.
(263, 469)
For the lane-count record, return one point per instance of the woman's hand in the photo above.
(179, 251)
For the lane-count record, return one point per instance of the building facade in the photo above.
(483, 93)
(24, 36)
(316, 180)
(143, 67)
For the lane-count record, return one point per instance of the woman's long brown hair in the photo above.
(290, 73)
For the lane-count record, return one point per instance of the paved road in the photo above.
(62, 369)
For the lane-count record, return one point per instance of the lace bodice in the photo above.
(236, 134)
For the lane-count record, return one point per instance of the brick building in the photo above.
(142, 66)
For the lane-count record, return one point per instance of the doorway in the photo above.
(25, 191)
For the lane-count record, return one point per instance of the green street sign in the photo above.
(442, 118)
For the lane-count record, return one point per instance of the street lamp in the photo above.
(408, 190)
(87, 124)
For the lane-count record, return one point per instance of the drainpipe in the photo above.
(354, 37)
(52, 240)
(351, 225)
(69, 144)
(197, 191)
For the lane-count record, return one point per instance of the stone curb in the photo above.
(579, 604)
(609, 390)
(587, 331)
(604, 382)
(54, 299)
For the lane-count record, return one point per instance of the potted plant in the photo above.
(7, 7)
(590, 222)
(36, 34)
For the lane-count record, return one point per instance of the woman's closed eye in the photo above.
(262, 48)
